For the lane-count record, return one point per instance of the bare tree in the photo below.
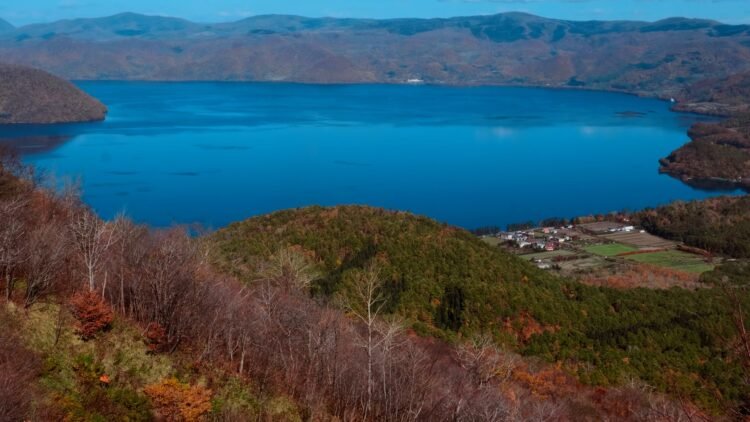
(171, 292)
(46, 258)
(365, 301)
(484, 361)
(12, 233)
(92, 237)
(288, 267)
(126, 259)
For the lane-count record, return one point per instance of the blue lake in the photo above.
(214, 153)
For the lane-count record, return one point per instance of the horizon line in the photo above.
(239, 19)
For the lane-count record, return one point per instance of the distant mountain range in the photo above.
(656, 58)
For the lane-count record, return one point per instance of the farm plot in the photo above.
(678, 260)
(640, 240)
(609, 249)
(590, 263)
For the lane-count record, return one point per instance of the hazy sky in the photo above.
(21, 12)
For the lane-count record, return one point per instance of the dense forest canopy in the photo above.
(719, 225)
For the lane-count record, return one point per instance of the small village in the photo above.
(601, 245)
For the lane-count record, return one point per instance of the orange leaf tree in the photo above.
(176, 401)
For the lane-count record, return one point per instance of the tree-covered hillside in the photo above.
(719, 225)
(718, 153)
(436, 274)
(447, 282)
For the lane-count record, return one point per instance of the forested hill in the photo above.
(33, 96)
(510, 48)
(446, 282)
(719, 225)
(438, 275)
(718, 153)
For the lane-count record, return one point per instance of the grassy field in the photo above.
(674, 259)
(610, 249)
(492, 240)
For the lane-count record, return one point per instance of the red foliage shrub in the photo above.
(92, 313)
(156, 337)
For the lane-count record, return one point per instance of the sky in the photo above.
(21, 12)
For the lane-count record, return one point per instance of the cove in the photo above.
(213, 153)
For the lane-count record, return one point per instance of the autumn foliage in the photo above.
(176, 401)
(338, 326)
(156, 337)
(92, 313)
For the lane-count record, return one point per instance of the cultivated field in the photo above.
(610, 249)
(640, 240)
(592, 262)
(600, 226)
(674, 259)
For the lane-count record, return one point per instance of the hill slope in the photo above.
(422, 260)
(33, 96)
(447, 282)
(5, 26)
(720, 225)
(511, 48)
(722, 97)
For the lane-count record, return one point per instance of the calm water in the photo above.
(214, 153)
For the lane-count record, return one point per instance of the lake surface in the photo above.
(214, 153)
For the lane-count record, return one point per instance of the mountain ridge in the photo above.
(121, 21)
(515, 14)
(655, 58)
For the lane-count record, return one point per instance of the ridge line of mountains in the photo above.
(671, 23)
(653, 58)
